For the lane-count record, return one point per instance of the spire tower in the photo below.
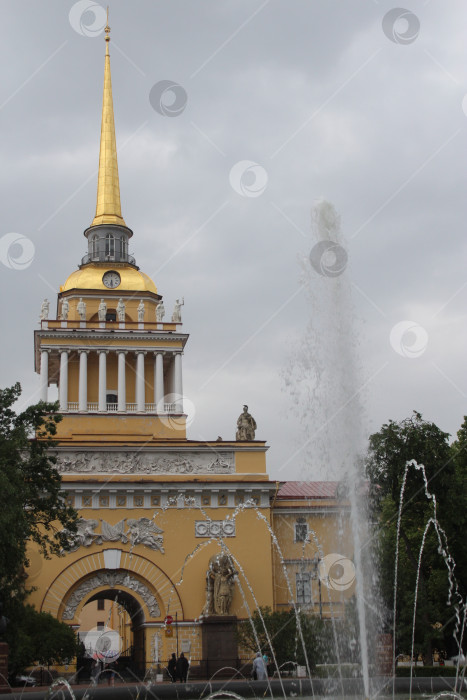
(108, 208)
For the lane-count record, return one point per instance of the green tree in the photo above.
(284, 636)
(39, 638)
(390, 450)
(32, 504)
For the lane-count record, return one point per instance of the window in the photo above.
(301, 530)
(100, 625)
(303, 588)
(95, 246)
(101, 604)
(110, 245)
(111, 316)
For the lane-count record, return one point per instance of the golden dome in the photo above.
(90, 277)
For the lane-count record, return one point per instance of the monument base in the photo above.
(4, 687)
(219, 645)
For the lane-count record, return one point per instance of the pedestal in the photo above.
(384, 654)
(219, 644)
(4, 687)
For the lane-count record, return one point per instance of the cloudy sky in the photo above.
(276, 106)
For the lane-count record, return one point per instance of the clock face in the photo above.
(111, 279)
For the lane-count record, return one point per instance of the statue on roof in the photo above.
(81, 309)
(160, 311)
(177, 314)
(44, 310)
(65, 310)
(102, 310)
(141, 311)
(246, 426)
(121, 311)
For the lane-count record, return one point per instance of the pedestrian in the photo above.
(182, 668)
(111, 670)
(259, 668)
(95, 670)
(172, 668)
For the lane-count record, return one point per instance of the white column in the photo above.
(63, 380)
(83, 380)
(178, 383)
(121, 381)
(159, 380)
(44, 375)
(102, 380)
(140, 387)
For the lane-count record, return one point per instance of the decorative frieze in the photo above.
(214, 528)
(145, 463)
(142, 531)
(110, 579)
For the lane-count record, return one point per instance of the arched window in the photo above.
(110, 245)
(95, 246)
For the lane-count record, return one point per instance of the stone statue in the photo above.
(121, 311)
(177, 314)
(160, 311)
(44, 310)
(65, 310)
(219, 585)
(144, 531)
(102, 310)
(141, 311)
(246, 426)
(81, 309)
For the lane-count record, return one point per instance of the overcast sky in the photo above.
(276, 106)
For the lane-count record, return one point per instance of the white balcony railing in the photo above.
(73, 407)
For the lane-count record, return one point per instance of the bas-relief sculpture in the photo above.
(142, 531)
(246, 426)
(220, 579)
(214, 528)
(110, 579)
(144, 463)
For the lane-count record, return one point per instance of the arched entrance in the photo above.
(142, 589)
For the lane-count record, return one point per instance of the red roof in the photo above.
(308, 489)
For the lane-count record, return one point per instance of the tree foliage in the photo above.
(391, 449)
(320, 641)
(38, 638)
(32, 505)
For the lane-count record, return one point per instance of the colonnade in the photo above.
(140, 405)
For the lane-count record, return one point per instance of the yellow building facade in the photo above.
(155, 506)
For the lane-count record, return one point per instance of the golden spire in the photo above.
(108, 210)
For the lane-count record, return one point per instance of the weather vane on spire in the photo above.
(107, 28)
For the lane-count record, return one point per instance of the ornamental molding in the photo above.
(142, 531)
(110, 579)
(92, 334)
(214, 528)
(145, 463)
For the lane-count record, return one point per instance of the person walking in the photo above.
(259, 668)
(182, 667)
(172, 668)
